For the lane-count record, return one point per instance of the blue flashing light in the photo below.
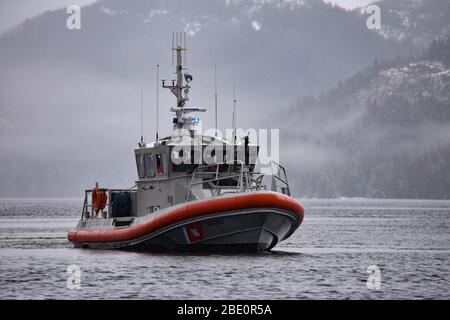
(175, 120)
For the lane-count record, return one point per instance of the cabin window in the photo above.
(140, 165)
(186, 157)
(149, 164)
(161, 164)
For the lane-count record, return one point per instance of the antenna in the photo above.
(215, 96)
(185, 49)
(142, 116)
(173, 46)
(157, 100)
(234, 112)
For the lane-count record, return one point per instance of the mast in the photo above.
(183, 118)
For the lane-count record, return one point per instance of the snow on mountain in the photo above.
(412, 81)
(383, 132)
(414, 21)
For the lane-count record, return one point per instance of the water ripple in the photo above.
(326, 258)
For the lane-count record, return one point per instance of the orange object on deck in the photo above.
(99, 199)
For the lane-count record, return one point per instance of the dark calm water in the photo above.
(326, 258)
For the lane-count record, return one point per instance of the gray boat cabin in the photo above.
(185, 166)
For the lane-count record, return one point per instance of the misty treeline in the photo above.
(440, 50)
(384, 133)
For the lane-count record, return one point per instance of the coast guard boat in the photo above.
(185, 202)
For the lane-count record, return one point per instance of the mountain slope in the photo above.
(69, 100)
(383, 133)
(415, 21)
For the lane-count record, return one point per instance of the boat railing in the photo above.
(88, 209)
(279, 179)
(211, 176)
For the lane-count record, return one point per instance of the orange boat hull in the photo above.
(248, 221)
